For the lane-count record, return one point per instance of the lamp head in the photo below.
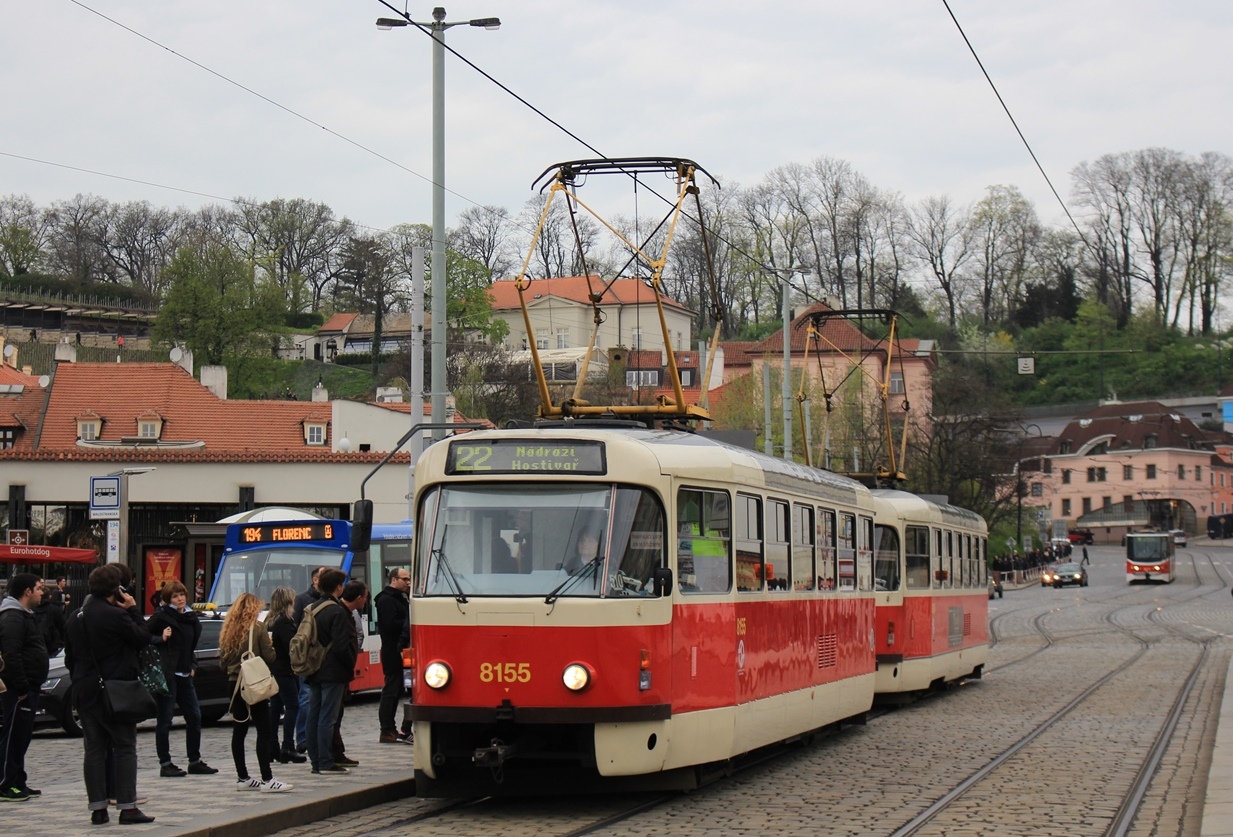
(387, 23)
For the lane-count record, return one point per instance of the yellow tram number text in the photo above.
(505, 672)
(740, 626)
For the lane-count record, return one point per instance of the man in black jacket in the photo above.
(104, 638)
(303, 600)
(336, 631)
(393, 624)
(25, 669)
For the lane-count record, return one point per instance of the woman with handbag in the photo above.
(176, 629)
(244, 639)
(104, 638)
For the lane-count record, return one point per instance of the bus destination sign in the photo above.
(526, 456)
(291, 531)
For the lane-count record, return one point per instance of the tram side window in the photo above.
(775, 570)
(885, 558)
(949, 561)
(802, 548)
(965, 575)
(748, 535)
(846, 552)
(916, 547)
(939, 560)
(828, 534)
(864, 554)
(704, 527)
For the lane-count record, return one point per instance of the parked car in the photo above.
(1179, 536)
(213, 690)
(1080, 537)
(1069, 574)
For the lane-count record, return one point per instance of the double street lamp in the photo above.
(437, 26)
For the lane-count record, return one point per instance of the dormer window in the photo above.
(314, 433)
(88, 429)
(148, 430)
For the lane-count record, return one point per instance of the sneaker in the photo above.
(200, 768)
(13, 794)
(406, 738)
(171, 771)
(292, 757)
(275, 786)
(345, 761)
(248, 784)
(301, 748)
(337, 770)
(31, 791)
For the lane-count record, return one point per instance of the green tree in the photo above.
(215, 305)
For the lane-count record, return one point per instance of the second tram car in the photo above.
(1150, 556)
(599, 602)
(931, 576)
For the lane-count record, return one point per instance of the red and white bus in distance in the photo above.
(1149, 556)
(261, 556)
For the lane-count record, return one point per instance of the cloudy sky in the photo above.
(888, 85)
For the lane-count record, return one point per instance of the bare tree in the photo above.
(297, 242)
(1004, 231)
(73, 248)
(942, 239)
(24, 232)
(139, 241)
(483, 235)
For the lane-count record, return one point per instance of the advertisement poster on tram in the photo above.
(162, 565)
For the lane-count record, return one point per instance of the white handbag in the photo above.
(255, 682)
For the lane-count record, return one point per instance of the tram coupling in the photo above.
(495, 755)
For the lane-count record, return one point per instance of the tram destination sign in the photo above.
(526, 456)
(291, 531)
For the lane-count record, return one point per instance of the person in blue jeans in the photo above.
(284, 706)
(309, 597)
(336, 631)
(175, 631)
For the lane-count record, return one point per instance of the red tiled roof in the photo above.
(504, 294)
(1131, 424)
(836, 333)
(337, 323)
(737, 352)
(11, 376)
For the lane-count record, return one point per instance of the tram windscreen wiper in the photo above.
(443, 563)
(589, 568)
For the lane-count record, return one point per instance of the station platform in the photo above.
(210, 806)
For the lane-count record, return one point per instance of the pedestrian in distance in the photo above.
(49, 615)
(285, 705)
(1085, 558)
(335, 631)
(393, 624)
(25, 669)
(175, 629)
(242, 631)
(104, 639)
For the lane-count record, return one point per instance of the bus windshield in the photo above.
(261, 570)
(532, 539)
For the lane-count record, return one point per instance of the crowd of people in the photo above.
(103, 640)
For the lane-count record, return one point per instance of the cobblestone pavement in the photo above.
(1052, 644)
(181, 805)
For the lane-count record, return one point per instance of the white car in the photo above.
(1179, 536)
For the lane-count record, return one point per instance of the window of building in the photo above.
(1065, 508)
(8, 437)
(562, 338)
(635, 338)
(641, 377)
(1038, 489)
(1128, 472)
(1064, 446)
(314, 434)
(1181, 472)
(1065, 476)
(1150, 472)
(1149, 442)
(1047, 466)
(896, 383)
(687, 377)
(88, 430)
(1097, 474)
(1087, 505)
(1198, 473)
(541, 338)
(1128, 503)
(1106, 502)
(1099, 449)
(148, 429)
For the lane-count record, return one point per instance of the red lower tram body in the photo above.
(665, 701)
(928, 640)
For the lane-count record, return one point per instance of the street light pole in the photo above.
(438, 26)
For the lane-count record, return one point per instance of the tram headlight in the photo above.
(437, 675)
(576, 677)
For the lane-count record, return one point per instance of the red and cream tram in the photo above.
(930, 577)
(1149, 556)
(601, 600)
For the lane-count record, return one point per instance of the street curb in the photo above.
(292, 809)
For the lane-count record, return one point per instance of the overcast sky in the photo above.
(887, 85)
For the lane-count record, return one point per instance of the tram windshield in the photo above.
(1152, 548)
(261, 571)
(547, 540)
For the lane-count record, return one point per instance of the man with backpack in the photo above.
(327, 664)
(310, 596)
